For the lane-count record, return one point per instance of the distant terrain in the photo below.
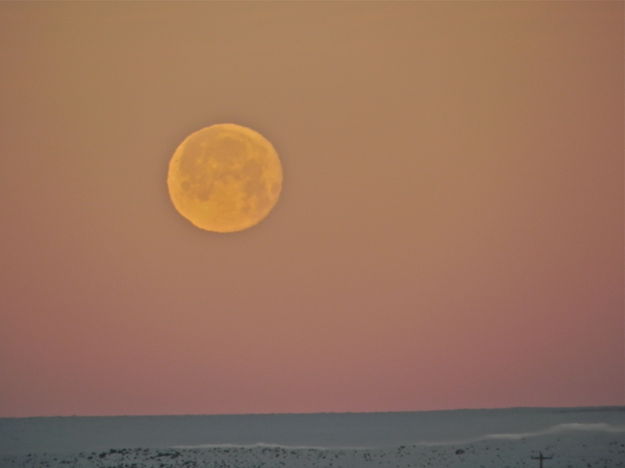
(566, 437)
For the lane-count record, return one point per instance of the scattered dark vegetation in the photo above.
(609, 455)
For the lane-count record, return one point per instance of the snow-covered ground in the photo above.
(573, 437)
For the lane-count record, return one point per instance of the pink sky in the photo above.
(450, 232)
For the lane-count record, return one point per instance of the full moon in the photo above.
(225, 178)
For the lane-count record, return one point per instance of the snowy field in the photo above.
(572, 437)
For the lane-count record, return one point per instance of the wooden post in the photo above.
(540, 459)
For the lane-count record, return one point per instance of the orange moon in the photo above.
(225, 178)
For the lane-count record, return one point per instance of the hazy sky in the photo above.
(450, 231)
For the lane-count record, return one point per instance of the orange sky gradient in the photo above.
(450, 231)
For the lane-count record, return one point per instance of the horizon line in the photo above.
(155, 415)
